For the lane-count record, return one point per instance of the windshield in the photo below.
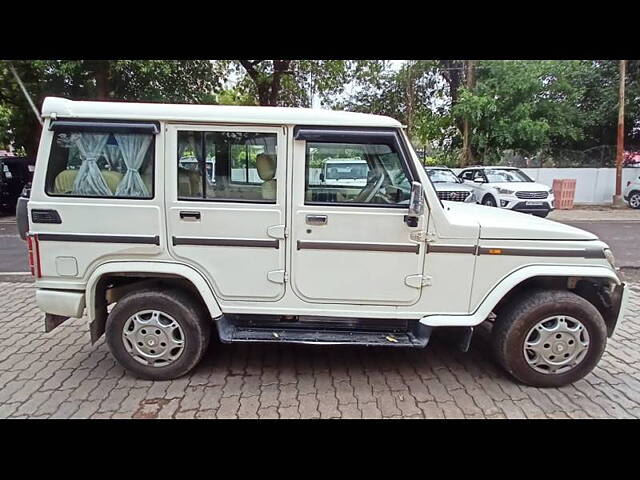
(350, 171)
(500, 175)
(442, 176)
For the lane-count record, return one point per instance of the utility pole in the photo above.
(617, 198)
(467, 155)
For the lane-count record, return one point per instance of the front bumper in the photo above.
(511, 202)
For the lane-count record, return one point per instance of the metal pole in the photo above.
(617, 198)
(26, 94)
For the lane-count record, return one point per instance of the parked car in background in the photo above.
(345, 171)
(15, 173)
(448, 186)
(509, 187)
(631, 193)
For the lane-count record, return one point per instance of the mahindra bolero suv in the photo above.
(247, 242)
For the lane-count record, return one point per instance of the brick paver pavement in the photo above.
(61, 375)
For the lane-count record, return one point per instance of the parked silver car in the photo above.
(449, 186)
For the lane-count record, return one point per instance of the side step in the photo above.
(231, 329)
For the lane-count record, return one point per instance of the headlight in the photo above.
(504, 191)
(608, 254)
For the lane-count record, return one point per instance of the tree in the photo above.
(295, 82)
(537, 105)
(181, 81)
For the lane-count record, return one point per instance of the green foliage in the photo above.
(179, 81)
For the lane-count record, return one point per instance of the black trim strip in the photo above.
(104, 127)
(225, 242)
(451, 249)
(73, 237)
(538, 252)
(375, 247)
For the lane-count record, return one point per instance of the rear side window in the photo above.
(101, 164)
(227, 166)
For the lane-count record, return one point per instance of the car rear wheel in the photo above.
(489, 201)
(634, 200)
(549, 338)
(158, 335)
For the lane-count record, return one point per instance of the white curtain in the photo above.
(133, 148)
(89, 180)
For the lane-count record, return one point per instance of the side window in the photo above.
(227, 166)
(86, 164)
(478, 175)
(467, 175)
(355, 173)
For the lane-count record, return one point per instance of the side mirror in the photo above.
(416, 205)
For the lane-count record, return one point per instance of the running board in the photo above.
(231, 331)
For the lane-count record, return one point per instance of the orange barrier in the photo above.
(564, 191)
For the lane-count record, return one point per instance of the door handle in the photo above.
(190, 215)
(316, 219)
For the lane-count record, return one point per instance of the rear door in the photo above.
(354, 246)
(226, 206)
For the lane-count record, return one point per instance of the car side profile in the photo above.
(509, 187)
(167, 224)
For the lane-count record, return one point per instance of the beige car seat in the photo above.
(266, 165)
(65, 179)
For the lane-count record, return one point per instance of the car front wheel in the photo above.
(549, 338)
(489, 201)
(634, 200)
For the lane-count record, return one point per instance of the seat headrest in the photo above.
(266, 165)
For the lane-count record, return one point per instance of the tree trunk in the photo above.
(101, 72)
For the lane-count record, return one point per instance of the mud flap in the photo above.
(52, 321)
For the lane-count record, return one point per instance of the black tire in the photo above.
(489, 201)
(190, 315)
(523, 313)
(634, 199)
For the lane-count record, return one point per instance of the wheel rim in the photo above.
(153, 338)
(489, 202)
(556, 344)
(634, 201)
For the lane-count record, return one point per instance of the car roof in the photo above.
(61, 107)
(344, 160)
(484, 167)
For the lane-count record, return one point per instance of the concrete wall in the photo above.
(594, 186)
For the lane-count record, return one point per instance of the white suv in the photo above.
(509, 187)
(632, 193)
(158, 258)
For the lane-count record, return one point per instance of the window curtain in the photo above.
(133, 149)
(89, 180)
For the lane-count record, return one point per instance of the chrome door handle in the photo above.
(316, 219)
(189, 215)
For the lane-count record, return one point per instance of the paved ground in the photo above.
(13, 253)
(60, 375)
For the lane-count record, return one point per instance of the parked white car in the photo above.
(631, 193)
(345, 172)
(448, 186)
(157, 258)
(509, 187)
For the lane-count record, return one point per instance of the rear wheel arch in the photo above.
(111, 281)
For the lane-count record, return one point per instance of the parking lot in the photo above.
(61, 375)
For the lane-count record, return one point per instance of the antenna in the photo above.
(26, 94)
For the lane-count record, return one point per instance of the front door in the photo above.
(225, 192)
(351, 243)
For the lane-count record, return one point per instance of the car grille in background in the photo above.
(536, 195)
(453, 196)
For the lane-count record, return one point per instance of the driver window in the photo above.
(352, 173)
